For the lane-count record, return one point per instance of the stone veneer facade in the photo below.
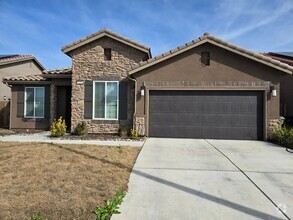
(88, 63)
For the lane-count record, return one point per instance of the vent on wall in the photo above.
(205, 58)
(107, 54)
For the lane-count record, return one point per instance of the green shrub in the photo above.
(122, 131)
(58, 128)
(111, 207)
(81, 129)
(39, 216)
(133, 133)
(283, 136)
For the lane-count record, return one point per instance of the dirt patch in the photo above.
(4, 131)
(60, 181)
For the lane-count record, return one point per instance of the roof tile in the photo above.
(31, 77)
(110, 33)
(60, 71)
(18, 58)
(234, 47)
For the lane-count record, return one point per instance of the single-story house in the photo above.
(206, 88)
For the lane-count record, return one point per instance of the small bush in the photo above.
(111, 207)
(81, 129)
(133, 133)
(122, 131)
(283, 137)
(58, 128)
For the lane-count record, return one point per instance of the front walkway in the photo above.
(44, 137)
(209, 179)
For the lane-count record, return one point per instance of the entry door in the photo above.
(64, 104)
(206, 114)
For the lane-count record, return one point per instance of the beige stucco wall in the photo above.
(16, 69)
(225, 66)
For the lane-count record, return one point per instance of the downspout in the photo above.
(135, 93)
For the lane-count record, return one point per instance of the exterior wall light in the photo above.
(273, 91)
(142, 91)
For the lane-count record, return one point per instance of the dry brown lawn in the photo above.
(60, 181)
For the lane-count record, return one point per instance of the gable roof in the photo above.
(105, 32)
(281, 57)
(15, 58)
(54, 73)
(208, 38)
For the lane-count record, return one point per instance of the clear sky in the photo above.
(42, 27)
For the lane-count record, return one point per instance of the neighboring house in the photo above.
(16, 65)
(286, 84)
(206, 88)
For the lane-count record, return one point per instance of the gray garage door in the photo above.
(206, 114)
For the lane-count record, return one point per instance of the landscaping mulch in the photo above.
(60, 181)
(102, 137)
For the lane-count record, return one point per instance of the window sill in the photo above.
(33, 119)
(105, 121)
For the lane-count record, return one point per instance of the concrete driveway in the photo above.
(209, 179)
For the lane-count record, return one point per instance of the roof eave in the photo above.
(202, 41)
(251, 57)
(24, 59)
(57, 76)
(167, 57)
(19, 82)
(67, 49)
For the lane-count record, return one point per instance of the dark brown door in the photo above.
(64, 104)
(206, 114)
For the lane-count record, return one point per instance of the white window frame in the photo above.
(25, 96)
(94, 91)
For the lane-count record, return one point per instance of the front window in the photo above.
(34, 102)
(105, 100)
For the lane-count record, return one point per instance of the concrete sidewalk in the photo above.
(193, 179)
(44, 137)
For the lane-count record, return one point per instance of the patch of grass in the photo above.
(60, 181)
(283, 136)
(39, 216)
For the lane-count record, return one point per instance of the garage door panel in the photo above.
(206, 114)
(181, 131)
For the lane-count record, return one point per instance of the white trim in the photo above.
(105, 109)
(29, 87)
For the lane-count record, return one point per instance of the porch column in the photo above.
(53, 102)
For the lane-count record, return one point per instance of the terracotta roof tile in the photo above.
(277, 59)
(31, 77)
(18, 58)
(60, 71)
(107, 32)
(212, 39)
